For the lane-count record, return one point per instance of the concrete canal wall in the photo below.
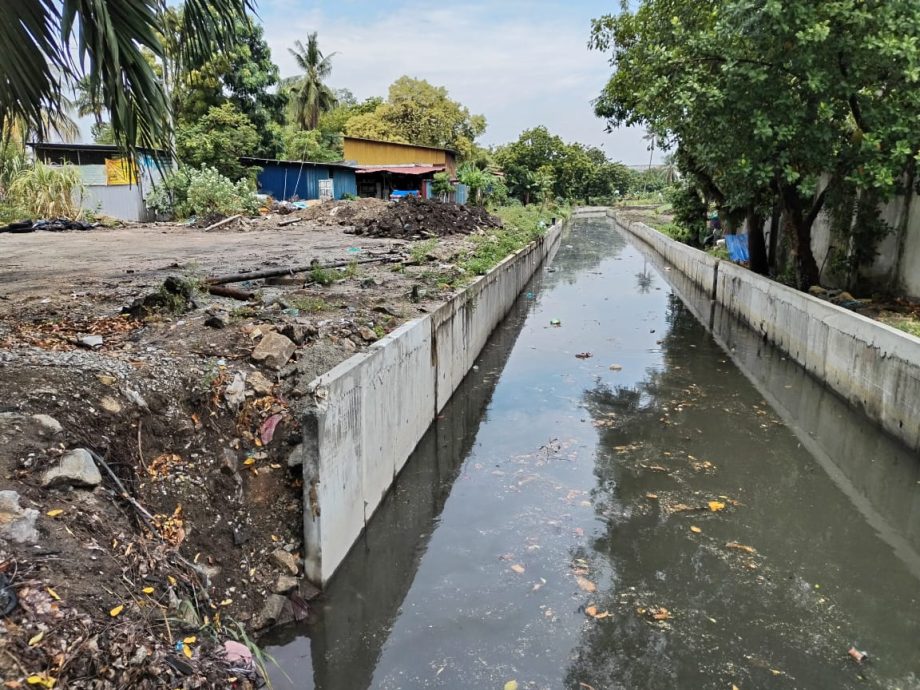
(369, 413)
(874, 367)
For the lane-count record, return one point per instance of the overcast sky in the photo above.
(521, 63)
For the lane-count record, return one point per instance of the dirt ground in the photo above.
(190, 537)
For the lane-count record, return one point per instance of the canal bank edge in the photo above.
(874, 367)
(367, 414)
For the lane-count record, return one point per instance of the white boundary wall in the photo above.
(368, 413)
(873, 366)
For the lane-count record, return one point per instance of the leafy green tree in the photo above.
(244, 75)
(309, 96)
(218, 140)
(441, 185)
(336, 120)
(311, 145)
(108, 38)
(420, 113)
(766, 99)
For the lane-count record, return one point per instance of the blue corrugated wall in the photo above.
(286, 181)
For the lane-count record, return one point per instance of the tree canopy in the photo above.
(766, 100)
(541, 163)
(417, 112)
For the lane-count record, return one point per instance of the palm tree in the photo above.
(52, 44)
(310, 96)
(88, 101)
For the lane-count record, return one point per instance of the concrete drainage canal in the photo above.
(617, 498)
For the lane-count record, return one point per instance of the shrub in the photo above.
(689, 211)
(45, 191)
(190, 192)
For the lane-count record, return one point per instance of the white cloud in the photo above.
(518, 65)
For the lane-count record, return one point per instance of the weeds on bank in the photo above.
(419, 251)
(522, 225)
(310, 305)
(322, 276)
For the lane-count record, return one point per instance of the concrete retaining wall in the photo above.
(369, 412)
(873, 366)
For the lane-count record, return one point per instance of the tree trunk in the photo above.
(757, 247)
(775, 218)
(806, 268)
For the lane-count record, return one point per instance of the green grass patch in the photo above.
(419, 250)
(322, 276)
(522, 225)
(310, 305)
(908, 324)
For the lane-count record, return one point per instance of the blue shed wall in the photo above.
(286, 181)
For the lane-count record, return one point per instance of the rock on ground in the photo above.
(77, 468)
(286, 561)
(274, 350)
(17, 523)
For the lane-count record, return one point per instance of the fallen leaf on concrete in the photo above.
(518, 568)
(511, 685)
(117, 610)
(36, 639)
(147, 590)
(695, 529)
(53, 594)
(651, 497)
(41, 679)
(716, 506)
(585, 584)
(54, 513)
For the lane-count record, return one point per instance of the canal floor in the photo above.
(676, 510)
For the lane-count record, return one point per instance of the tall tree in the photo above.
(420, 113)
(52, 43)
(310, 96)
(244, 75)
(767, 100)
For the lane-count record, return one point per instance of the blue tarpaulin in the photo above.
(737, 246)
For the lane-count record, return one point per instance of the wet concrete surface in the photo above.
(683, 509)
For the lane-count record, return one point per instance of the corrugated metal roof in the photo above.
(276, 161)
(401, 143)
(401, 169)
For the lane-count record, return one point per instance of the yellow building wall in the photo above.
(386, 153)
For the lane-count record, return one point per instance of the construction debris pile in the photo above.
(345, 212)
(414, 217)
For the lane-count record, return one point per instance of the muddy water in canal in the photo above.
(682, 509)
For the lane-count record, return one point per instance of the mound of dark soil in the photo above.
(427, 218)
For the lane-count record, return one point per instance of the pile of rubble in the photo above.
(345, 212)
(414, 217)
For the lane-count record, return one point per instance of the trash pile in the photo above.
(413, 217)
(50, 225)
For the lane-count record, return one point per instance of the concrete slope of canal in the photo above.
(670, 512)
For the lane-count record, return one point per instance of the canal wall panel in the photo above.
(369, 413)
(874, 367)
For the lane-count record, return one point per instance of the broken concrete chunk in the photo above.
(271, 613)
(235, 393)
(274, 350)
(77, 468)
(17, 523)
(229, 461)
(296, 456)
(259, 383)
(47, 425)
(286, 561)
(367, 334)
(285, 584)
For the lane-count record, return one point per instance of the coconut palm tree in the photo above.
(310, 97)
(49, 45)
